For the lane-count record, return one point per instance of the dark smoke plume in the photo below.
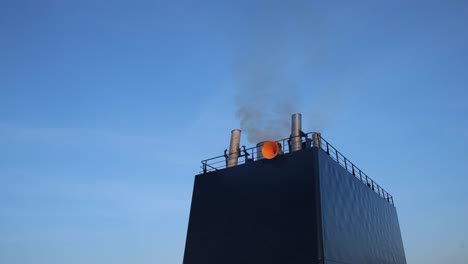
(266, 100)
(266, 93)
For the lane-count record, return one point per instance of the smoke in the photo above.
(265, 100)
(296, 57)
(266, 91)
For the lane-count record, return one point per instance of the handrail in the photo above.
(253, 153)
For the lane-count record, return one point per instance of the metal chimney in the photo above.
(317, 139)
(258, 150)
(296, 129)
(234, 148)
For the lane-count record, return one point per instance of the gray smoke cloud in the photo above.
(266, 99)
(266, 91)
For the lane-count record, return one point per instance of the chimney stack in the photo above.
(296, 130)
(234, 148)
(316, 139)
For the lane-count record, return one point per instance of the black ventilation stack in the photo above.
(307, 205)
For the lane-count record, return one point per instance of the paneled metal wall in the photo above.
(359, 226)
(301, 207)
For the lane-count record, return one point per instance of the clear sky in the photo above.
(107, 108)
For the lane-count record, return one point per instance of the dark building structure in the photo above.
(307, 205)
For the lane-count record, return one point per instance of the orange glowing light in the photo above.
(270, 150)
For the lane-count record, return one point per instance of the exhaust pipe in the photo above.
(296, 131)
(317, 140)
(258, 150)
(234, 148)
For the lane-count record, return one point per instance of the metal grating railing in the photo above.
(254, 153)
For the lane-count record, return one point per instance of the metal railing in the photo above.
(254, 153)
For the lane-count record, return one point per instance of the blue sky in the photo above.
(107, 108)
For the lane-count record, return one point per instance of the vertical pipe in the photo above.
(258, 150)
(296, 128)
(317, 139)
(234, 148)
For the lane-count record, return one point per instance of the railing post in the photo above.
(204, 166)
(345, 164)
(352, 165)
(328, 150)
(360, 175)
